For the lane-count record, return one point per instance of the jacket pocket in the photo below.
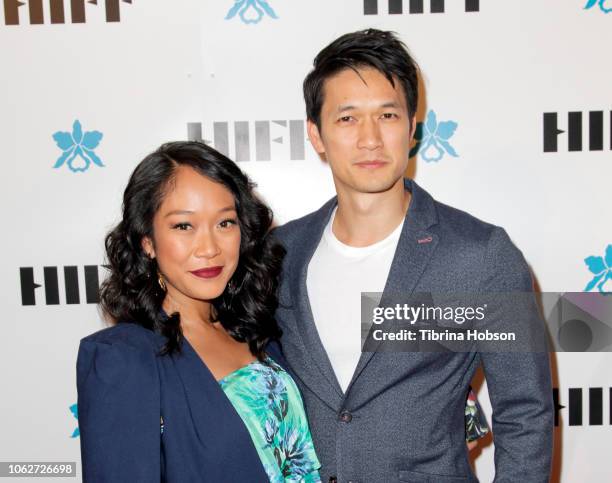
(415, 477)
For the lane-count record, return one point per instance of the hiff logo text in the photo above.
(58, 11)
(51, 284)
(248, 141)
(573, 124)
(575, 406)
(397, 7)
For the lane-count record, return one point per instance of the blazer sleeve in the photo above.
(519, 383)
(118, 411)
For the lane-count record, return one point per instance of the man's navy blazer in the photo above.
(124, 391)
(402, 416)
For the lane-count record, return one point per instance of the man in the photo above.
(384, 416)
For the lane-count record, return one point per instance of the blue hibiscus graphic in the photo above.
(432, 138)
(75, 412)
(602, 5)
(601, 268)
(78, 148)
(250, 11)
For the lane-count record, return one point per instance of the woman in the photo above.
(188, 385)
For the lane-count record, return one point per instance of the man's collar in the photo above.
(422, 209)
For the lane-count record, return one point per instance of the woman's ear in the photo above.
(147, 246)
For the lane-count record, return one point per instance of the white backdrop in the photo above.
(173, 70)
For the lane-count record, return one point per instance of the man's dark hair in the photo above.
(378, 49)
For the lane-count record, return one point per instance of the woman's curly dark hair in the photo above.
(131, 293)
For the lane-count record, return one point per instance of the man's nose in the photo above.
(369, 135)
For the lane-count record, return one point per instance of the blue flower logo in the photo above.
(432, 138)
(601, 268)
(250, 11)
(602, 5)
(74, 410)
(78, 148)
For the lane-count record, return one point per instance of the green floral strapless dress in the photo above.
(269, 403)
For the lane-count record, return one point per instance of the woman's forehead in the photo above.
(190, 190)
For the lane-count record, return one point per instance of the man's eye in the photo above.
(345, 119)
(390, 115)
(182, 226)
(227, 223)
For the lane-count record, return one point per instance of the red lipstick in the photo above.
(210, 272)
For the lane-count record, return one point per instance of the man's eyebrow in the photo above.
(393, 104)
(384, 105)
(345, 107)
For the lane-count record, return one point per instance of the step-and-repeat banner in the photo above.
(87, 88)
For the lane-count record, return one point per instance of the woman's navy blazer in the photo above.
(125, 391)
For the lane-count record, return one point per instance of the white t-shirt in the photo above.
(337, 274)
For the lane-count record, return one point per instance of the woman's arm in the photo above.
(119, 411)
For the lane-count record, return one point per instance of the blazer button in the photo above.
(346, 416)
(333, 479)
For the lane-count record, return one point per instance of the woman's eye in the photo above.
(227, 223)
(182, 226)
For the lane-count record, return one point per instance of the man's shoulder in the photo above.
(462, 225)
(295, 230)
(486, 245)
(290, 230)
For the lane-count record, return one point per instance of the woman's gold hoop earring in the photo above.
(161, 282)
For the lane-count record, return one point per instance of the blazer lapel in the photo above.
(415, 247)
(327, 386)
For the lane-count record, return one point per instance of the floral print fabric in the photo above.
(269, 403)
(475, 423)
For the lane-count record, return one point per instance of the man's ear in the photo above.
(315, 137)
(413, 125)
(147, 246)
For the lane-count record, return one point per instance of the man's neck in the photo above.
(363, 219)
